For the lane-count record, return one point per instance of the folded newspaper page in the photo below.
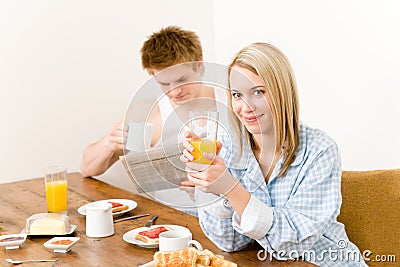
(157, 168)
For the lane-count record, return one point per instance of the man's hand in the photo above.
(116, 138)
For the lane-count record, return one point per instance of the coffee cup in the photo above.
(99, 220)
(177, 240)
(139, 136)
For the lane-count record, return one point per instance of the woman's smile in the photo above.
(251, 119)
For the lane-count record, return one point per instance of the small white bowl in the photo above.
(59, 247)
(12, 241)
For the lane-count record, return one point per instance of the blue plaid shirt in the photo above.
(291, 216)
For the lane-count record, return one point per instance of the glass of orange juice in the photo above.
(56, 184)
(204, 127)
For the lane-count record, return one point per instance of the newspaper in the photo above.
(157, 168)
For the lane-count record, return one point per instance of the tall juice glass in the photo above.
(56, 184)
(204, 126)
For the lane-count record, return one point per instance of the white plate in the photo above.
(130, 236)
(58, 247)
(14, 243)
(71, 230)
(130, 203)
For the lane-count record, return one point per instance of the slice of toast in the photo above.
(120, 208)
(151, 236)
(116, 207)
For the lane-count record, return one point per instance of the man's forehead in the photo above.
(173, 73)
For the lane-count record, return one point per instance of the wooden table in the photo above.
(19, 200)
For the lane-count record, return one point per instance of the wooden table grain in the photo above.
(19, 200)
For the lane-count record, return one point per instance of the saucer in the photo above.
(130, 236)
(130, 203)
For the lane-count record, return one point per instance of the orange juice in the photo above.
(201, 146)
(56, 195)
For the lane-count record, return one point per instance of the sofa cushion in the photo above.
(371, 213)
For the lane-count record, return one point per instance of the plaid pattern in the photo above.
(305, 203)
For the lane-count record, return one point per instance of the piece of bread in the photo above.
(219, 262)
(120, 208)
(151, 236)
(204, 257)
(116, 207)
(207, 258)
(183, 258)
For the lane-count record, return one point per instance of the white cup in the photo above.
(139, 136)
(177, 240)
(99, 220)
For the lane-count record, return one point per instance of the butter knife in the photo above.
(132, 217)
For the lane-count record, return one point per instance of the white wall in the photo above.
(68, 70)
(346, 56)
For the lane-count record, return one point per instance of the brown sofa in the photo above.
(371, 214)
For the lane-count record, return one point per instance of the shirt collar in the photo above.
(243, 161)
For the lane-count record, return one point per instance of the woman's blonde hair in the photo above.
(272, 66)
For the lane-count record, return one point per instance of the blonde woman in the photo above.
(287, 196)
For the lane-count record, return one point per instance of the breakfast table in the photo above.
(21, 199)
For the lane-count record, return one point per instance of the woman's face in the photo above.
(180, 82)
(250, 102)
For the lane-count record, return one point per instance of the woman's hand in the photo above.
(210, 178)
(187, 156)
(188, 187)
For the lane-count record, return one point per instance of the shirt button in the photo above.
(226, 203)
